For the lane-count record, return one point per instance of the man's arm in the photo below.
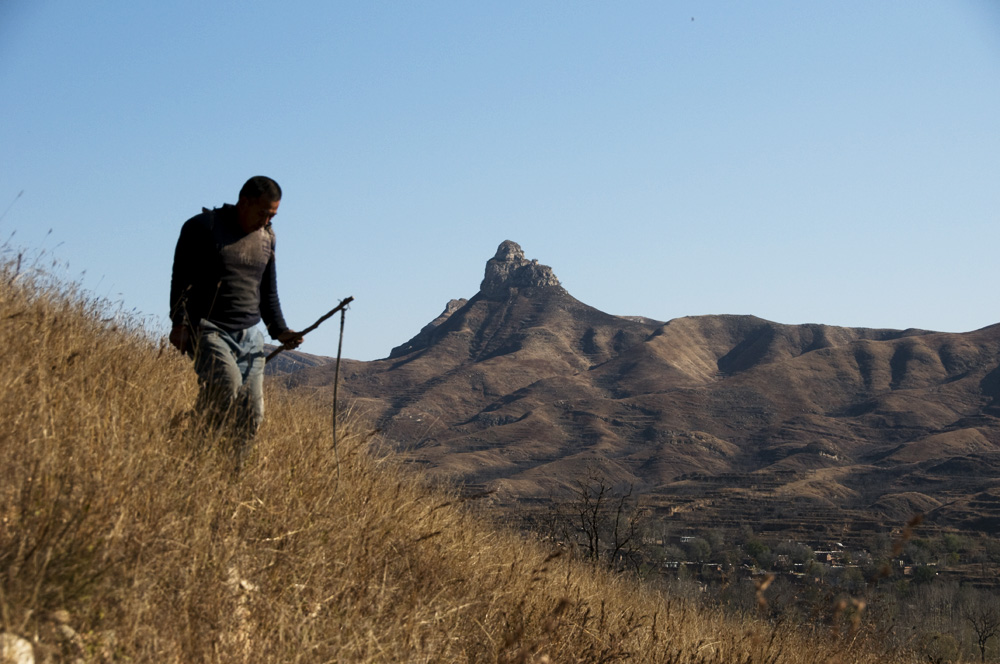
(187, 268)
(270, 308)
(270, 305)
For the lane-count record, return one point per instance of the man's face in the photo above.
(255, 213)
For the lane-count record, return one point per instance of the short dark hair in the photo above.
(261, 186)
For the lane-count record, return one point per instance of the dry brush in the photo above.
(126, 536)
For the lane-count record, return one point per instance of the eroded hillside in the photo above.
(522, 388)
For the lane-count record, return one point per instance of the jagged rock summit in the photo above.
(509, 275)
(509, 271)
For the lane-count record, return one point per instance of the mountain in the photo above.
(524, 390)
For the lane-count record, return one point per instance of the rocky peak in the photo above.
(509, 270)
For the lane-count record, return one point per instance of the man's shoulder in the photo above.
(208, 219)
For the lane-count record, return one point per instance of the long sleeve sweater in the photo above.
(225, 275)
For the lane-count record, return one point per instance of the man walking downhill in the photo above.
(223, 284)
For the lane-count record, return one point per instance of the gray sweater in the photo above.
(224, 275)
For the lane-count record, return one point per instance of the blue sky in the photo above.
(805, 162)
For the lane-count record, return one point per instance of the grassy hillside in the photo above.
(125, 536)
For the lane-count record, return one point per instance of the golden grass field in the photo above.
(126, 537)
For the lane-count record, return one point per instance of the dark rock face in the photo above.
(426, 333)
(509, 271)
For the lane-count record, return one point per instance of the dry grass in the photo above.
(124, 535)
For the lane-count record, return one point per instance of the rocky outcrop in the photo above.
(508, 271)
(425, 335)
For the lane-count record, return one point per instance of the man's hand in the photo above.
(290, 339)
(181, 339)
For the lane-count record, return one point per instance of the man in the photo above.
(223, 284)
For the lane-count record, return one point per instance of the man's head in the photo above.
(258, 203)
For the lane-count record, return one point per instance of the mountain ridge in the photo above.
(521, 388)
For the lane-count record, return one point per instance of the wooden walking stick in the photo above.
(343, 304)
(342, 308)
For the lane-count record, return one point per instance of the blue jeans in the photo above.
(230, 367)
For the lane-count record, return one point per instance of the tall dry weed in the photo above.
(126, 536)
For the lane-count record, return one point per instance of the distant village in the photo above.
(910, 559)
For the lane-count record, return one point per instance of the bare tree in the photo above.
(982, 613)
(589, 506)
(623, 536)
(605, 521)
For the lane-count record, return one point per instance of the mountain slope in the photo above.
(523, 389)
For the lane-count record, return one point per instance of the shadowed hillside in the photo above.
(522, 388)
(125, 535)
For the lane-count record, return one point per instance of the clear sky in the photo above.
(801, 161)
